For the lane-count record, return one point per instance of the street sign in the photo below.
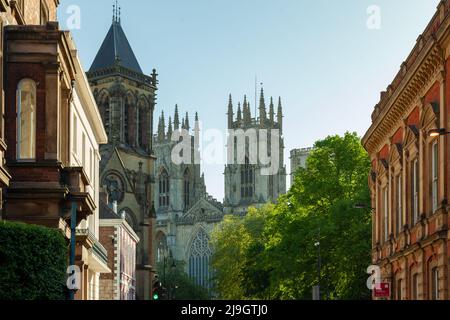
(383, 290)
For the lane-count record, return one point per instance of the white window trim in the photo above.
(434, 175)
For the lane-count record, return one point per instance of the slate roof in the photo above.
(115, 46)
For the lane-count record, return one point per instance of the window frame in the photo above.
(415, 189)
(399, 202)
(386, 212)
(434, 176)
(32, 127)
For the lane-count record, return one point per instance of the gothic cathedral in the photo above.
(186, 213)
(245, 184)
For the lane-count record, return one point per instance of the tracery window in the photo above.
(200, 253)
(247, 180)
(164, 189)
(186, 189)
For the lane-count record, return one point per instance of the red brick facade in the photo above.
(410, 175)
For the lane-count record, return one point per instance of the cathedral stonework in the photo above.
(126, 99)
(246, 183)
(186, 213)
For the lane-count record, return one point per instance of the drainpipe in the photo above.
(73, 225)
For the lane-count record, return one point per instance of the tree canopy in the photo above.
(272, 253)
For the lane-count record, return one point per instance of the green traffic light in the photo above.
(155, 296)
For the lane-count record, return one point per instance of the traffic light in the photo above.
(157, 290)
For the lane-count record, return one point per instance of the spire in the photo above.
(161, 128)
(262, 109)
(170, 130)
(239, 114)
(176, 119)
(183, 125)
(196, 116)
(116, 49)
(280, 115)
(247, 112)
(271, 112)
(186, 124)
(230, 112)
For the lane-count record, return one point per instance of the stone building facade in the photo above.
(186, 214)
(32, 12)
(52, 162)
(298, 160)
(410, 174)
(126, 98)
(246, 184)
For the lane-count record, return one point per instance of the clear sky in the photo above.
(318, 55)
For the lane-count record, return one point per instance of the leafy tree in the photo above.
(178, 284)
(278, 259)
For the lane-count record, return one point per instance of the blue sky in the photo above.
(318, 55)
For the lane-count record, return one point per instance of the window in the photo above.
(125, 123)
(247, 180)
(386, 213)
(200, 253)
(186, 190)
(415, 287)
(44, 13)
(415, 191)
(434, 175)
(91, 163)
(399, 204)
(164, 189)
(26, 120)
(83, 151)
(141, 127)
(399, 289)
(435, 284)
(75, 134)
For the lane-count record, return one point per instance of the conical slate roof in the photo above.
(116, 47)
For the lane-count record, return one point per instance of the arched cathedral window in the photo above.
(129, 121)
(247, 180)
(199, 257)
(142, 127)
(186, 189)
(164, 188)
(105, 110)
(26, 120)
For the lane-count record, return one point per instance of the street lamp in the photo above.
(438, 132)
(316, 289)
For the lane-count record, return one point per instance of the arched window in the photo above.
(142, 126)
(186, 190)
(164, 188)
(199, 257)
(105, 109)
(247, 180)
(161, 246)
(26, 120)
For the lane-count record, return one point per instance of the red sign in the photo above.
(383, 290)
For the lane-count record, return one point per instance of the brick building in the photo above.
(31, 12)
(52, 131)
(409, 181)
(119, 239)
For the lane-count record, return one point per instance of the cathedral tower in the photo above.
(186, 213)
(246, 182)
(126, 98)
